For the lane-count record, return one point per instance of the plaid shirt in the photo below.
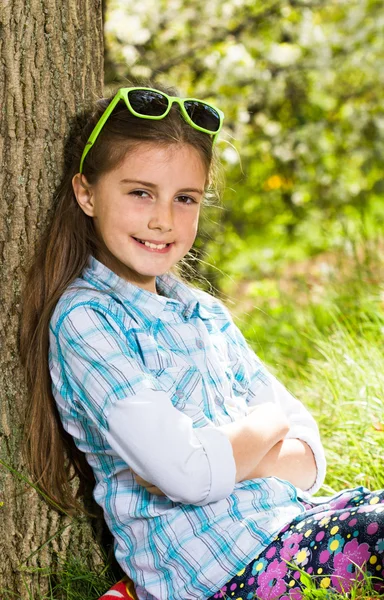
(144, 380)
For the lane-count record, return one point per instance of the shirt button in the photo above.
(179, 393)
(200, 343)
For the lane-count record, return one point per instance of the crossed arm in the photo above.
(260, 449)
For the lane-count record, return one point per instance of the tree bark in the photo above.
(51, 68)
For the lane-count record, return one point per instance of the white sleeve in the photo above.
(192, 466)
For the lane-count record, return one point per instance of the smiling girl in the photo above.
(204, 464)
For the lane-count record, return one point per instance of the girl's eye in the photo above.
(186, 199)
(139, 193)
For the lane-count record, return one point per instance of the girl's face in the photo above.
(153, 196)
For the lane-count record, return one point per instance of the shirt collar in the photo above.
(176, 293)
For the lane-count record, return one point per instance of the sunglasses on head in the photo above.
(148, 103)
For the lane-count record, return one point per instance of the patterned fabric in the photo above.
(123, 589)
(109, 341)
(332, 542)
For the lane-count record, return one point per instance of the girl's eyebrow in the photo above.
(197, 190)
(153, 185)
(145, 183)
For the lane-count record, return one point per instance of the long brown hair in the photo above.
(61, 255)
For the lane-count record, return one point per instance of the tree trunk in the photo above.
(51, 67)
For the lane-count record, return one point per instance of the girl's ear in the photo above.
(83, 193)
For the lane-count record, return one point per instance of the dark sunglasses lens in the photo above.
(145, 102)
(203, 115)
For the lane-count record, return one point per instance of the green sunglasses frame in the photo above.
(122, 94)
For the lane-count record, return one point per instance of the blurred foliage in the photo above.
(300, 83)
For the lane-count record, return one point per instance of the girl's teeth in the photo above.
(159, 247)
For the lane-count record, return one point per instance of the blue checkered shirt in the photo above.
(143, 381)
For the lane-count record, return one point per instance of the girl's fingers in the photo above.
(152, 489)
(139, 479)
(142, 481)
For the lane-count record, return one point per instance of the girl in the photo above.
(204, 464)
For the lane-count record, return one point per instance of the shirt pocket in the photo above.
(232, 364)
(220, 347)
(185, 387)
(238, 376)
(153, 356)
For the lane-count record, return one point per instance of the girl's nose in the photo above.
(161, 217)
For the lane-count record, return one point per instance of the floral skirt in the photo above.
(333, 542)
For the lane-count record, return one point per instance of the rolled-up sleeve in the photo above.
(125, 401)
(192, 466)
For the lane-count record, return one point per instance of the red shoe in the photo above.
(122, 589)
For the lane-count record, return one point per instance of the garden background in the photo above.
(294, 246)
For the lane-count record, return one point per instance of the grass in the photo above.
(72, 580)
(324, 339)
(327, 348)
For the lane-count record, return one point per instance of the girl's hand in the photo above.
(152, 489)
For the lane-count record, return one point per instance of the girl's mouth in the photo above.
(159, 249)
